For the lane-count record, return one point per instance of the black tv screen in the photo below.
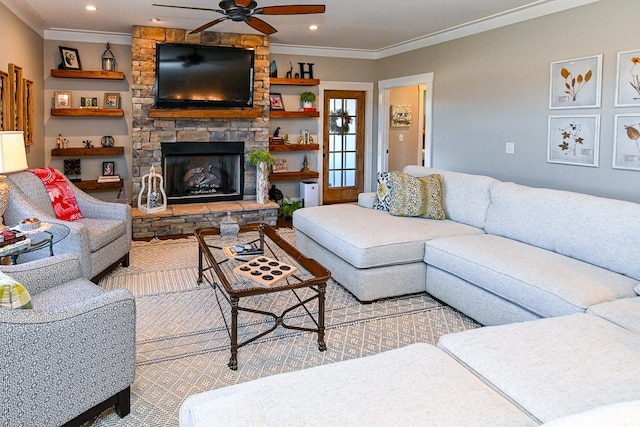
(199, 75)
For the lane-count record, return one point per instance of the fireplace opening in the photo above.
(203, 171)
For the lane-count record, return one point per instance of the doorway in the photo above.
(422, 117)
(343, 151)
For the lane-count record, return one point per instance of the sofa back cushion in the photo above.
(466, 197)
(33, 189)
(597, 230)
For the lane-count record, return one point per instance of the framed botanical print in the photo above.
(576, 83)
(626, 142)
(628, 79)
(574, 140)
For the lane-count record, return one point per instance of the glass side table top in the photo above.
(47, 235)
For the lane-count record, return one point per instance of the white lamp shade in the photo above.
(13, 157)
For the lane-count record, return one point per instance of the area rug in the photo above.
(183, 345)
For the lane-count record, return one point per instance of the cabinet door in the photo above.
(343, 155)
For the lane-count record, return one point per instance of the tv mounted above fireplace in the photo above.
(200, 75)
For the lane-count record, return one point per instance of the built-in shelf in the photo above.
(294, 147)
(280, 114)
(293, 176)
(161, 113)
(94, 185)
(81, 151)
(87, 112)
(296, 82)
(87, 74)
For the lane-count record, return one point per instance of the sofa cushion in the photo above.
(544, 282)
(383, 192)
(465, 197)
(413, 196)
(554, 367)
(413, 385)
(623, 414)
(624, 312)
(368, 238)
(13, 294)
(596, 230)
(66, 294)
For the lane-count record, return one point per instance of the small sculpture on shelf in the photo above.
(290, 72)
(72, 169)
(87, 143)
(107, 141)
(305, 164)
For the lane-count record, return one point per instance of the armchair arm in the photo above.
(92, 207)
(44, 273)
(69, 360)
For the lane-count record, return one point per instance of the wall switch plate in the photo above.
(510, 148)
(401, 137)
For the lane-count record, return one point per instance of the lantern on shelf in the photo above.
(108, 59)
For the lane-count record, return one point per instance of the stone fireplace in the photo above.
(203, 172)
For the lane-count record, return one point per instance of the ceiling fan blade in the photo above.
(188, 7)
(291, 10)
(208, 24)
(260, 25)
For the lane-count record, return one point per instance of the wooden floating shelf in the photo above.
(87, 112)
(94, 185)
(81, 151)
(279, 114)
(86, 74)
(297, 82)
(292, 176)
(294, 147)
(204, 114)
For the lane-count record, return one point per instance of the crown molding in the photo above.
(29, 16)
(87, 36)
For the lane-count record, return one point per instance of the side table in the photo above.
(47, 235)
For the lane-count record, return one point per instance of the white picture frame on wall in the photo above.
(576, 83)
(628, 79)
(626, 142)
(574, 140)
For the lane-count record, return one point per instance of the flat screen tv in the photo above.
(199, 75)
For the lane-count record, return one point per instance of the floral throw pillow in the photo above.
(383, 192)
(413, 196)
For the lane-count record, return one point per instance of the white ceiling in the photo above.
(367, 26)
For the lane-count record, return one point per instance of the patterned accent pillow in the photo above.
(413, 196)
(13, 294)
(383, 193)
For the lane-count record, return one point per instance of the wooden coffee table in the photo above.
(217, 269)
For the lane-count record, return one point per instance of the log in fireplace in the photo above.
(203, 171)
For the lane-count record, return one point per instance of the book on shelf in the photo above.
(108, 178)
(243, 250)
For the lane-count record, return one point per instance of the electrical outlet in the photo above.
(510, 148)
(401, 137)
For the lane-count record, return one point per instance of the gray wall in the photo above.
(493, 87)
(23, 47)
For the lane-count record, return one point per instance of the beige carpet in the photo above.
(182, 345)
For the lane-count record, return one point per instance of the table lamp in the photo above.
(13, 158)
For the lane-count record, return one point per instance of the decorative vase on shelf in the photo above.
(262, 183)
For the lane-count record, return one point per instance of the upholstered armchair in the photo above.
(100, 239)
(73, 354)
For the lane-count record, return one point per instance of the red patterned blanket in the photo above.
(62, 198)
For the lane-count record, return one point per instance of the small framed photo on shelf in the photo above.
(111, 100)
(62, 99)
(276, 102)
(280, 166)
(108, 168)
(70, 58)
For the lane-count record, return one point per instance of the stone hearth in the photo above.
(184, 219)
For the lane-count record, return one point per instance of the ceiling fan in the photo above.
(245, 11)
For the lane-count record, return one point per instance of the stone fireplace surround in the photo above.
(149, 133)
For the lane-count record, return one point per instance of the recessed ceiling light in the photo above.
(91, 8)
(313, 27)
(154, 20)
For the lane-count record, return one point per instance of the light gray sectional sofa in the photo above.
(505, 253)
(557, 272)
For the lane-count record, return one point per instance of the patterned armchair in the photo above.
(101, 239)
(73, 354)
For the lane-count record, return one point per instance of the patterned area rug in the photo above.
(182, 343)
